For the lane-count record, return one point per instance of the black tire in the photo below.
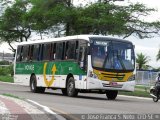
(64, 91)
(155, 99)
(33, 85)
(111, 94)
(71, 91)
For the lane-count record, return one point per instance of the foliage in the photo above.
(6, 79)
(158, 55)
(4, 62)
(142, 60)
(110, 19)
(51, 16)
(4, 71)
(13, 27)
(60, 17)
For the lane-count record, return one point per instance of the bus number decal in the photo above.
(29, 67)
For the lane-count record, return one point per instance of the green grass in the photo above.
(6, 79)
(13, 96)
(140, 91)
(135, 93)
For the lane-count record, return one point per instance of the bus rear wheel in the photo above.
(111, 94)
(33, 85)
(71, 90)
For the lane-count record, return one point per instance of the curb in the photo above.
(47, 110)
(142, 98)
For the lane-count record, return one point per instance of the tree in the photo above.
(107, 18)
(158, 55)
(13, 27)
(103, 17)
(142, 60)
(52, 16)
(60, 18)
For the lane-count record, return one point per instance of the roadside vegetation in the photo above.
(6, 79)
(6, 72)
(140, 91)
(13, 96)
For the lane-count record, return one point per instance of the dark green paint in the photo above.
(63, 68)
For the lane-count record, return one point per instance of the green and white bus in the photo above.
(81, 63)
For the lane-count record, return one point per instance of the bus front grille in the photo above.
(117, 76)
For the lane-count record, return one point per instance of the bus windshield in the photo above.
(112, 55)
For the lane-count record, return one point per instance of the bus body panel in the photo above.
(44, 74)
(53, 74)
(93, 82)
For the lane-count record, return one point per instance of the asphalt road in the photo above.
(84, 103)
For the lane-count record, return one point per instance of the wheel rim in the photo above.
(155, 99)
(70, 87)
(33, 85)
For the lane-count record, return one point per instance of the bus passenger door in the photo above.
(82, 60)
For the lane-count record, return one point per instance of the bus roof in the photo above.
(75, 37)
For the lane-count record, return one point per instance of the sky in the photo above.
(149, 46)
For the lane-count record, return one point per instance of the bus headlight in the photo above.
(131, 78)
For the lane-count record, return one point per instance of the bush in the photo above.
(4, 62)
(6, 70)
(3, 71)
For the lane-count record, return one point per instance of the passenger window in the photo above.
(30, 53)
(59, 51)
(77, 50)
(19, 53)
(53, 54)
(35, 53)
(70, 50)
(40, 53)
(46, 51)
(25, 53)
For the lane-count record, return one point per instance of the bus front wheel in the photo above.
(33, 85)
(71, 90)
(111, 94)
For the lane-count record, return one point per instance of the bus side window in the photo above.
(59, 51)
(30, 52)
(40, 53)
(70, 50)
(53, 53)
(46, 51)
(25, 54)
(35, 53)
(19, 53)
(77, 50)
